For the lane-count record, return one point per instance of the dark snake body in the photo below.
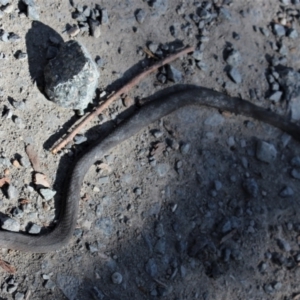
(150, 112)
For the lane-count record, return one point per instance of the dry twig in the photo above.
(7, 267)
(33, 157)
(117, 95)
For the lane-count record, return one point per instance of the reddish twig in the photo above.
(115, 96)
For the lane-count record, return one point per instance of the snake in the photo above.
(148, 113)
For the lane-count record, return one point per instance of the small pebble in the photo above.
(140, 16)
(10, 224)
(50, 285)
(266, 152)
(34, 229)
(235, 75)
(279, 30)
(47, 194)
(19, 296)
(116, 278)
(286, 192)
(12, 192)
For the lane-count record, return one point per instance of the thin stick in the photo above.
(115, 96)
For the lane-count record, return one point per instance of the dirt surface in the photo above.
(187, 208)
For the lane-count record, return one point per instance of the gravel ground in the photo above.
(202, 204)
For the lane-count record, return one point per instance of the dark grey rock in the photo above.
(289, 80)
(251, 187)
(4, 161)
(19, 122)
(215, 119)
(204, 14)
(275, 96)
(234, 58)
(47, 194)
(50, 285)
(10, 224)
(33, 12)
(162, 169)
(105, 225)
(295, 173)
(100, 62)
(159, 230)
(95, 28)
(25, 162)
(292, 33)
(14, 37)
(151, 267)
(279, 30)
(21, 55)
(11, 288)
(283, 50)
(295, 162)
(265, 32)
(71, 77)
(285, 2)
(79, 139)
(235, 75)
(69, 285)
(197, 55)
(12, 192)
(104, 180)
(275, 87)
(160, 6)
(140, 16)
(173, 74)
(153, 47)
(19, 296)
(160, 246)
(5, 2)
(286, 192)
(185, 148)
(34, 229)
(202, 66)
(78, 232)
(265, 152)
(116, 278)
(225, 14)
(4, 36)
(174, 30)
(17, 212)
(229, 223)
(268, 288)
(104, 16)
(217, 185)
(162, 78)
(284, 245)
(164, 291)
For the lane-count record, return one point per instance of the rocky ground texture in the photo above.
(202, 204)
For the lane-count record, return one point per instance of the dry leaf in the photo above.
(6, 172)
(24, 201)
(228, 236)
(105, 167)
(27, 295)
(3, 181)
(7, 267)
(41, 179)
(16, 164)
(85, 197)
(33, 157)
(158, 149)
(128, 101)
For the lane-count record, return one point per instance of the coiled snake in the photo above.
(150, 112)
